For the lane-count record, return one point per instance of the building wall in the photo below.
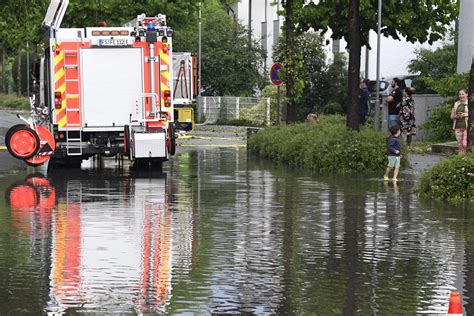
(466, 36)
(264, 10)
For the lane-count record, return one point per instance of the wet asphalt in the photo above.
(203, 136)
(7, 162)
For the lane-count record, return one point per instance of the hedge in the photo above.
(451, 179)
(326, 146)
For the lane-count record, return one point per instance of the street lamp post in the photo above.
(377, 84)
(199, 64)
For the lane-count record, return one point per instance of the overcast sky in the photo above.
(394, 55)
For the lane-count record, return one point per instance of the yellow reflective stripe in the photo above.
(164, 87)
(59, 75)
(59, 57)
(165, 58)
(166, 74)
(62, 122)
(62, 88)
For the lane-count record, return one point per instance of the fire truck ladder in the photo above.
(73, 130)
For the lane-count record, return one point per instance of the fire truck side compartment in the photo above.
(149, 145)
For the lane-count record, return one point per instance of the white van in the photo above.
(386, 88)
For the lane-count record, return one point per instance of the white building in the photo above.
(265, 23)
(466, 36)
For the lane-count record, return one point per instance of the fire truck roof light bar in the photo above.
(55, 14)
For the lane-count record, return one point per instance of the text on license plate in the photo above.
(113, 42)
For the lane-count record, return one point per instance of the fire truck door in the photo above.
(111, 80)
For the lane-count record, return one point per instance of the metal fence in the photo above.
(250, 110)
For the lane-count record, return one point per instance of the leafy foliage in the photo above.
(423, 21)
(323, 84)
(14, 34)
(451, 179)
(436, 63)
(449, 85)
(229, 66)
(437, 69)
(13, 102)
(271, 92)
(439, 125)
(325, 146)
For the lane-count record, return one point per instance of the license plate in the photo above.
(113, 42)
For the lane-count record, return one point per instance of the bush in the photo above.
(326, 146)
(11, 101)
(333, 108)
(439, 125)
(270, 91)
(451, 179)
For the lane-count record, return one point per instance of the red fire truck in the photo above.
(102, 91)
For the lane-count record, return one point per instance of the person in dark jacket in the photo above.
(394, 101)
(363, 109)
(394, 148)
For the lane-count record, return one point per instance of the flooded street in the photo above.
(219, 231)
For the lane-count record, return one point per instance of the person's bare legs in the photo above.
(395, 173)
(387, 171)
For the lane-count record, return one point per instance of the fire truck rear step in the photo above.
(74, 143)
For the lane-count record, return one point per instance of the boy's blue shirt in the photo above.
(393, 144)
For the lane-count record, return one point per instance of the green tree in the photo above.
(433, 65)
(423, 21)
(229, 66)
(292, 60)
(16, 16)
(323, 84)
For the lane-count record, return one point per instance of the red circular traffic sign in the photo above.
(275, 74)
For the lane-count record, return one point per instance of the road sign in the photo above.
(275, 74)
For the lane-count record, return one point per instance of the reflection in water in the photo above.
(111, 239)
(223, 233)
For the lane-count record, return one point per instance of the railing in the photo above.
(249, 110)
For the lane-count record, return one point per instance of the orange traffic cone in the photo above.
(455, 305)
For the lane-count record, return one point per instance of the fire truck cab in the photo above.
(102, 91)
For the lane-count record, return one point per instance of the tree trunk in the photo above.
(4, 71)
(354, 43)
(290, 55)
(18, 73)
(470, 134)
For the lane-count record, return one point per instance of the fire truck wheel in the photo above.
(126, 141)
(171, 139)
(22, 142)
(13, 128)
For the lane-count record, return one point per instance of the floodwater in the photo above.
(220, 232)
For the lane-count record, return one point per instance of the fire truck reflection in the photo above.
(32, 202)
(111, 240)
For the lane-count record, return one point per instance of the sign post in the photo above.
(275, 78)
